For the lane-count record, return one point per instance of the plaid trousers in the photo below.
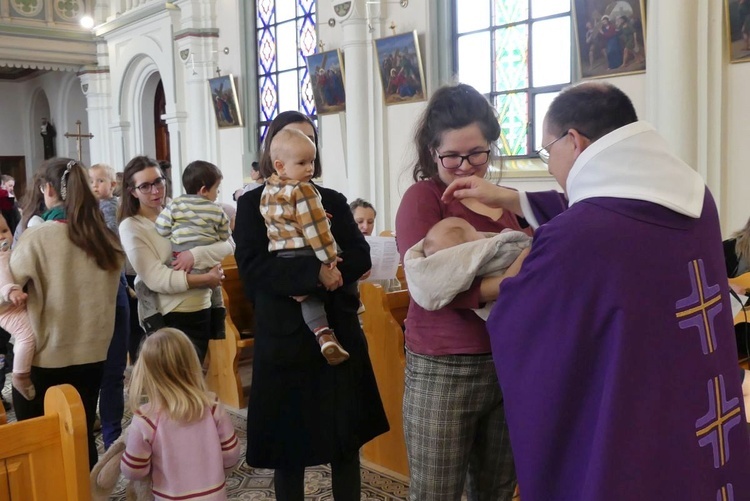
(455, 429)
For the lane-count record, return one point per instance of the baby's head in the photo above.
(202, 178)
(449, 232)
(293, 155)
(103, 181)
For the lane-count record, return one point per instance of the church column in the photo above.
(684, 81)
(355, 45)
(179, 157)
(96, 85)
(120, 133)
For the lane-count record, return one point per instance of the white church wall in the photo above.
(231, 141)
(12, 97)
(54, 95)
(737, 179)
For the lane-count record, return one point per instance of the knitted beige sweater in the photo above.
(71, 301)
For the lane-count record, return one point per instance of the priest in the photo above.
(614, 345)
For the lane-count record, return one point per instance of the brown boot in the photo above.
(330, 347)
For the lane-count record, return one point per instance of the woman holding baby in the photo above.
(452, 397)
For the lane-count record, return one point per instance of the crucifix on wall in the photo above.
(79, 138)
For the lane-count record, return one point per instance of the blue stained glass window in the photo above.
(523, 59)
(285, 35)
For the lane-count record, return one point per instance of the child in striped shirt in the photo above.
(180, 434)
(298, 226)
(190, 221)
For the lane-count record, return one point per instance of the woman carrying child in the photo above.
(183, 299)
(303, 411)
(180, 435)
(71, 266)
(454, 423)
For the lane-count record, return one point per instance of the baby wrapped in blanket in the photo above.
(452, 255)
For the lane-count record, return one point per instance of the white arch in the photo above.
(136, 89)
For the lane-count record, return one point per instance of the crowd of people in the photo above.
(592, 362)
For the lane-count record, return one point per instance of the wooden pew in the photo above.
(46, 458)
(382, 321)
(224, 354)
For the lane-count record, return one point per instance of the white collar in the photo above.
(635, 162)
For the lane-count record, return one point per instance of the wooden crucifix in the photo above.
(78, 137)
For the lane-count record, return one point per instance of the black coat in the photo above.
(302, 411)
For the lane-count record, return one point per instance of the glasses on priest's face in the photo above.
(453, 161)
(543, 152)
(146, 188)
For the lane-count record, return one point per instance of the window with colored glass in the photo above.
(286, 35)
(518, 53)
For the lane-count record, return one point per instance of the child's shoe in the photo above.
(330, 347)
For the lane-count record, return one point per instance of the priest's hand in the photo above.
(484, 191)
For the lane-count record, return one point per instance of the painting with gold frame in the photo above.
(610, 37)
(738, 29)
(400, 65)
(326, 70)
(225, 101)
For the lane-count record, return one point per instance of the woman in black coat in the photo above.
(302, 411)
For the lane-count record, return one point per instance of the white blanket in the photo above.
(434, 281)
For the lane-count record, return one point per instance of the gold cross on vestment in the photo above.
(78, 137)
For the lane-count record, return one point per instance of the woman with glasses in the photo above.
(454, 423)
(71, 264)
(184, 300)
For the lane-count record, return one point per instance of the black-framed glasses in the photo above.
(454, 161)
(146, 188)
(543, 152)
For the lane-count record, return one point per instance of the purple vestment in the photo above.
(615, 351)
(617, 384)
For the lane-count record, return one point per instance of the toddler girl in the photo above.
(14, 318)
(181, 435)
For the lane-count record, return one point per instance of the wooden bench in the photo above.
(46, 458)
(224, 354)
(382, 321)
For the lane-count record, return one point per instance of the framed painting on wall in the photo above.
(738, 29)
(610, 37)
(326, 70)
(400, 65)
(224, 99)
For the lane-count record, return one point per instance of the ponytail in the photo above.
(86, 227)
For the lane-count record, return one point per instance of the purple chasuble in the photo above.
(619, 385)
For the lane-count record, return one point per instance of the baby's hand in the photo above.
(22, 383)
(18, 297)
(184, 261)
(299, 299)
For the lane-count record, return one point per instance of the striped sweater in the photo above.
(186, 460)
(191, 220)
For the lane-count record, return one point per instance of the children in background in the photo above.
(103, 183)
(298, 226)
(364, 215)
(111, 401)
(190, 221)
(180, 434)
(452, 255)
(14, 318)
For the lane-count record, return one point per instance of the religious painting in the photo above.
(400, 67)
(610, 37)
(326, 70)
(738, 29)
(224, 99)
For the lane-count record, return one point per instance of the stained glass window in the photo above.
(518, 53)
(286, 35)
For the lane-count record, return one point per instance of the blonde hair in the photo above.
(286, 140)
(108, 170)
(742, 244)
(169, 377)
